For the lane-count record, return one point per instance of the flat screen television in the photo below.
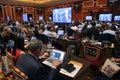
(50, 18)
(8, 18)
(30, 18)
(117, 18)
(40, 17)
(105, 17)
(25, 17)
(88, 17)
(62, 15)
(113, 2)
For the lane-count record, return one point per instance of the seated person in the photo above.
(108, 35)
(49, 31)
(32, 65)
(93, 32)
(101, 75)
(18, 48)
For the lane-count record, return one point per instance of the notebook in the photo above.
(54, 54)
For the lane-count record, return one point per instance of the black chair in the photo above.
(107, 37)
(43, 38)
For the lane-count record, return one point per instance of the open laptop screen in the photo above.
(57, 54)
(80, 28)
(60, 32)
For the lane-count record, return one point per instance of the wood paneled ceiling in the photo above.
(38, 3)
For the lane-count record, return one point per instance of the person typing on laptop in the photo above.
(32, 65)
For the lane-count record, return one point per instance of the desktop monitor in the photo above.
(62, 15)
(105, 17)
(117, 18)
(88, 17)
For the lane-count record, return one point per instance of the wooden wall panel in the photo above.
(18, 16)
(38, 14)
(87, 7)
(29, 9)
(2, 14)
(101, 2)
(77, 14)
(8, 11)
(89, 3)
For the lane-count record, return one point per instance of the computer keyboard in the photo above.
(50, 60)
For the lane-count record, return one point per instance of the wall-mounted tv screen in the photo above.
(25, 17)
(88, 17)
(8, 18)
(40, 17)
(105, 17)
(62, 15)
(30, 18)
(113, 2)
(50, 18)
(117, 18)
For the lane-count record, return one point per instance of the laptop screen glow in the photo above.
(60, 32)
(57, 54)
(80, 28)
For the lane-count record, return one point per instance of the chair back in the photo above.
(19, 75)
(8, 61)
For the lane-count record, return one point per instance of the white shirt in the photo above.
(112, 32)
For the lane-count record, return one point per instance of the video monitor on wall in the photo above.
(40, 17)
(8, 18)
(117, 18)
(88, 17)
(50, 18)
(30, 18)
(25, 17)
(62, 15)
(105, 17)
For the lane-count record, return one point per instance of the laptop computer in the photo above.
(60, 32)
(80, 28)
(54, 54)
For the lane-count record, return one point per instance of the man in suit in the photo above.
(31, 64)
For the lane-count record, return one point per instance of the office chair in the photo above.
(107, 37)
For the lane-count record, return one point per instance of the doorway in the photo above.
(30, 17)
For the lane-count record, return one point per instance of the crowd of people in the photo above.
(15, 35)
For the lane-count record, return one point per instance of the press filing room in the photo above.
(59, 39)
